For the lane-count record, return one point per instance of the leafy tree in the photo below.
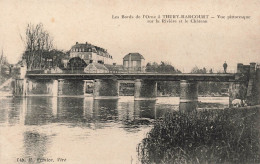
(163, 67)
(198, 70)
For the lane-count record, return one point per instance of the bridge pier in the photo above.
(145, 89)
(188, 96)
(106, 89)
(20, 87)
(29, 87)
(60, 83)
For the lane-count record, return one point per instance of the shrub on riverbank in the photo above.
(208, 136)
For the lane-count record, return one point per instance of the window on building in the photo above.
(126, 63)
(134, 63)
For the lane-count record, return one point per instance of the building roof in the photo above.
(79, 45)
(100, 51)
(97, 66)
(88, 45)
(134, 56)
(114, 67)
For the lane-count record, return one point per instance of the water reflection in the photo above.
(46, 110)
(35, 145)
(69, 110)
(38, 111)
(40, 125)
(105, 110)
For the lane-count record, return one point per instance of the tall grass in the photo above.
(208, 136)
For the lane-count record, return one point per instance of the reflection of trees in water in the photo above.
(10, 110)
(70, 110)
(143, 113)
(83, 111)
(145, 109)
(105, 110)
(44, 110)
(35, 144)
(39, 111)
(4, 111)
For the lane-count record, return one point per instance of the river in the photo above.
(80, 130)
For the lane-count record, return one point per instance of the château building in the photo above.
(90, 53)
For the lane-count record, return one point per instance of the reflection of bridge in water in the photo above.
(106, 85)
(48, 110)
(77, 111)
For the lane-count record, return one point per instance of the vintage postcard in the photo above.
(114, 82)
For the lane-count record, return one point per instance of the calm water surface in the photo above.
(80, 130)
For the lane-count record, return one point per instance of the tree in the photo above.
(151, 67)
(3, 60)
(198, 70)
(206, 88)
(163, 67)
(53, 58)
(37, 42)
(165, 87)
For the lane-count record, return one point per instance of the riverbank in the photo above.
(208, 136)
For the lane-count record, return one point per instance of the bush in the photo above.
(207, 136)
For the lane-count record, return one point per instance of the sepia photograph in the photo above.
(129, 82)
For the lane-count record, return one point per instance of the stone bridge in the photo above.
(106, 85)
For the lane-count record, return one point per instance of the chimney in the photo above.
(86, 42)
(77, 42)
(239, 67)
(114, 64)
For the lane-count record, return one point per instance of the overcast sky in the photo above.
(183, 45)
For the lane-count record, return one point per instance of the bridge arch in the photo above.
(76, 63)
